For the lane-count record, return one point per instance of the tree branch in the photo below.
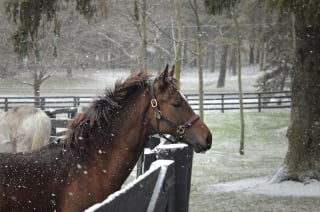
(118, 44)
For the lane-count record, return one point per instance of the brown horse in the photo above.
(101, 147)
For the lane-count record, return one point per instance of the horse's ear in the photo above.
(164, 74)
(171, 73)
(162, 78)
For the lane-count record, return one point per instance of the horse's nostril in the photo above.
(209, 141)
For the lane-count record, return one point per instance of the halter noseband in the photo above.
(180, 129)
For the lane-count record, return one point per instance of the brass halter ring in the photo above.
(154, 103)
(181, 130)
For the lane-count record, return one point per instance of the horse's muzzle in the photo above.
(202, 148)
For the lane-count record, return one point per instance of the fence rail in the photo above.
(251, 101)
(211, 101)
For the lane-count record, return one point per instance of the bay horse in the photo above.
(23, 129)
(101, 147)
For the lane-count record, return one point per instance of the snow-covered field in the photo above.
(263, 185)
(225, 181)
(93, 82)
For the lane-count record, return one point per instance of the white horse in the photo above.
(23, 129)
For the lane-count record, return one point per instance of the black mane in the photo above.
(101, 113)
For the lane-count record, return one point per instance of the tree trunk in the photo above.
(194, 6)
(302, 161)
(212, 58)
(36, 92)
(144, 33)
(258, 56)
(139, 17)
(242, 125)
(185, 49)
(251, 53)
(233, 62)
(69, 72)
(262, 56)
(223, 66)
(199, 59)
(179, 42)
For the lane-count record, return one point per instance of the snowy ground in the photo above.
(94, 82)
(223, 180)
(262, 185)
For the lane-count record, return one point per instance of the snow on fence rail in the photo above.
(163, 187)
(213, 101)
(147, 193)
(59, 120)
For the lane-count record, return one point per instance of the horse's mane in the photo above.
(99, 116)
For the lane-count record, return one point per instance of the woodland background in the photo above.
(111, 39)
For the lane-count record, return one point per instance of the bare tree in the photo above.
(42, 53)
(179, 42)
(223, 66)
(242, 125)
(35, 38)
(194, 6)
(139, 17)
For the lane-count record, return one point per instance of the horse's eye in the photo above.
(176, 104)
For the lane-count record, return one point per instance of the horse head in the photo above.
(173, 115)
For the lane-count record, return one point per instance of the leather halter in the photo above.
(180, 129)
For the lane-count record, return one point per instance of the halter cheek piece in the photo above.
(180, 129)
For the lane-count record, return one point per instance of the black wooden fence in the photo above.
(213, 101)
(163, 187)
(59, 120)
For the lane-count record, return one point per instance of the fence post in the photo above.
(183, 156)
(222, 103)
(76, 101)
(42, 103)
(6, 106)
(259, 102)
(72, 113)
(147, 157)
(52, 114)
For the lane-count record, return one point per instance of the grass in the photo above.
(262, 137)
(265, 149)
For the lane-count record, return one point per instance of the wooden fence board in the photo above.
(150, 192)
(182, 155)
(165, 187)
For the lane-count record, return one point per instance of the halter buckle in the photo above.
(154, 103)
(180, 130)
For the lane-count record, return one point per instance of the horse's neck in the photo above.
(118, 158)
